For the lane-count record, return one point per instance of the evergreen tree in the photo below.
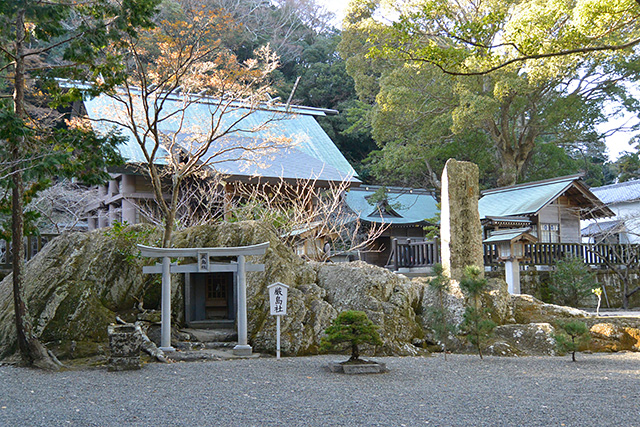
(438, 314)
(476, 322)
(573, 335)
(39, 42)
(352, 327)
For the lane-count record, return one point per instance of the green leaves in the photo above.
(353, 327)
(573, 336)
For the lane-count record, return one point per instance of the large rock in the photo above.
(80, 282)
(498, 301)
(611, 337)
(389, 300)
(527, 309)
(533, 339)
(74, 288)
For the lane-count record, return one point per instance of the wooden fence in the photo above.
(32, 245)
(412, 253)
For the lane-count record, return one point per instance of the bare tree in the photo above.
(61, 207)
(306, 216)
(613, 247)
(188, 104)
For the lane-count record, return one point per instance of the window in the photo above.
(549, 233)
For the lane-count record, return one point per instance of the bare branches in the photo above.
(306, 216)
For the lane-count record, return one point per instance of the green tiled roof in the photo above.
(522, 199)
(509, 235)
(407, 206)
(306, 136)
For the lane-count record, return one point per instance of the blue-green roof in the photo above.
(300, 132)
(406, 206)
(523, 199)
(510, 235)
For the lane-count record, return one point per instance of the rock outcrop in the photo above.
(528, 309)
(79, 283)
(533, 339)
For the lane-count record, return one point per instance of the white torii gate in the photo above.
(204, 265)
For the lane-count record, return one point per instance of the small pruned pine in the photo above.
(477, 324)
(571, 337)
(353, 328)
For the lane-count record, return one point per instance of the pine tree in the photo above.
(438, 319)
(353, 327)
(476, 321)
(573, 335)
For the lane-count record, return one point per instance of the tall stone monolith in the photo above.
(460, 229)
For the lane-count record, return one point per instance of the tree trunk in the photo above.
(32, 351)
(355, 352)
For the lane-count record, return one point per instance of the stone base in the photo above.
(242, 350)
(360, 368)
(124, 364)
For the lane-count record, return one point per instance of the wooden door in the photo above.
(216, 296)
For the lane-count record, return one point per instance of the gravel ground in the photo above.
(598, 390)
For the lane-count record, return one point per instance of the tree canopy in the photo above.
(519, 74)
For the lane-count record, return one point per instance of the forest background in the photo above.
(401, 118)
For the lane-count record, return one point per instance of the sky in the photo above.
(617, 143)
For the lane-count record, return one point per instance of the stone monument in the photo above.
(460, 229)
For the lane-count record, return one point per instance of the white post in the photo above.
(243, 348)
(165, 341)
(512, 276)
(278, 337)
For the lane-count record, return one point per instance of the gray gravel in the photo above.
(598, 390)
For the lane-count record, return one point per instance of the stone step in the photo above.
(210, 335)
(197, 345)
(213, 324)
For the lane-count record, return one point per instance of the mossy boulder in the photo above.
(80, 282)
(609, 337)
(75, 286)
(533, 339)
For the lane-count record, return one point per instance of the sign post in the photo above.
(278, 302)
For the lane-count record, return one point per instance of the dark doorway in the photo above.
(218, 289)
(211, 297)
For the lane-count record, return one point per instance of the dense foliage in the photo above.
(353, 328)
(524, 83)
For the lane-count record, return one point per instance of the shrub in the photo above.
(437, 315)
(352, 327)
(573, 335)
(571, 282)
(476, 322)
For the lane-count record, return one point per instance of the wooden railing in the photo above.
(412, 253)
(32, 245)
(551, 253)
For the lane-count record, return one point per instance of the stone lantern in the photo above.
(510, 244)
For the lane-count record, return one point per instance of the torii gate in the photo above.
(204, 265)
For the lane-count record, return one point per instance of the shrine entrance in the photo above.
(215, 282)
(211, 298)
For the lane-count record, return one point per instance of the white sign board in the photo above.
(278, 298)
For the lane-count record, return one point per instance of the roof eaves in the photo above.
(532, 184)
